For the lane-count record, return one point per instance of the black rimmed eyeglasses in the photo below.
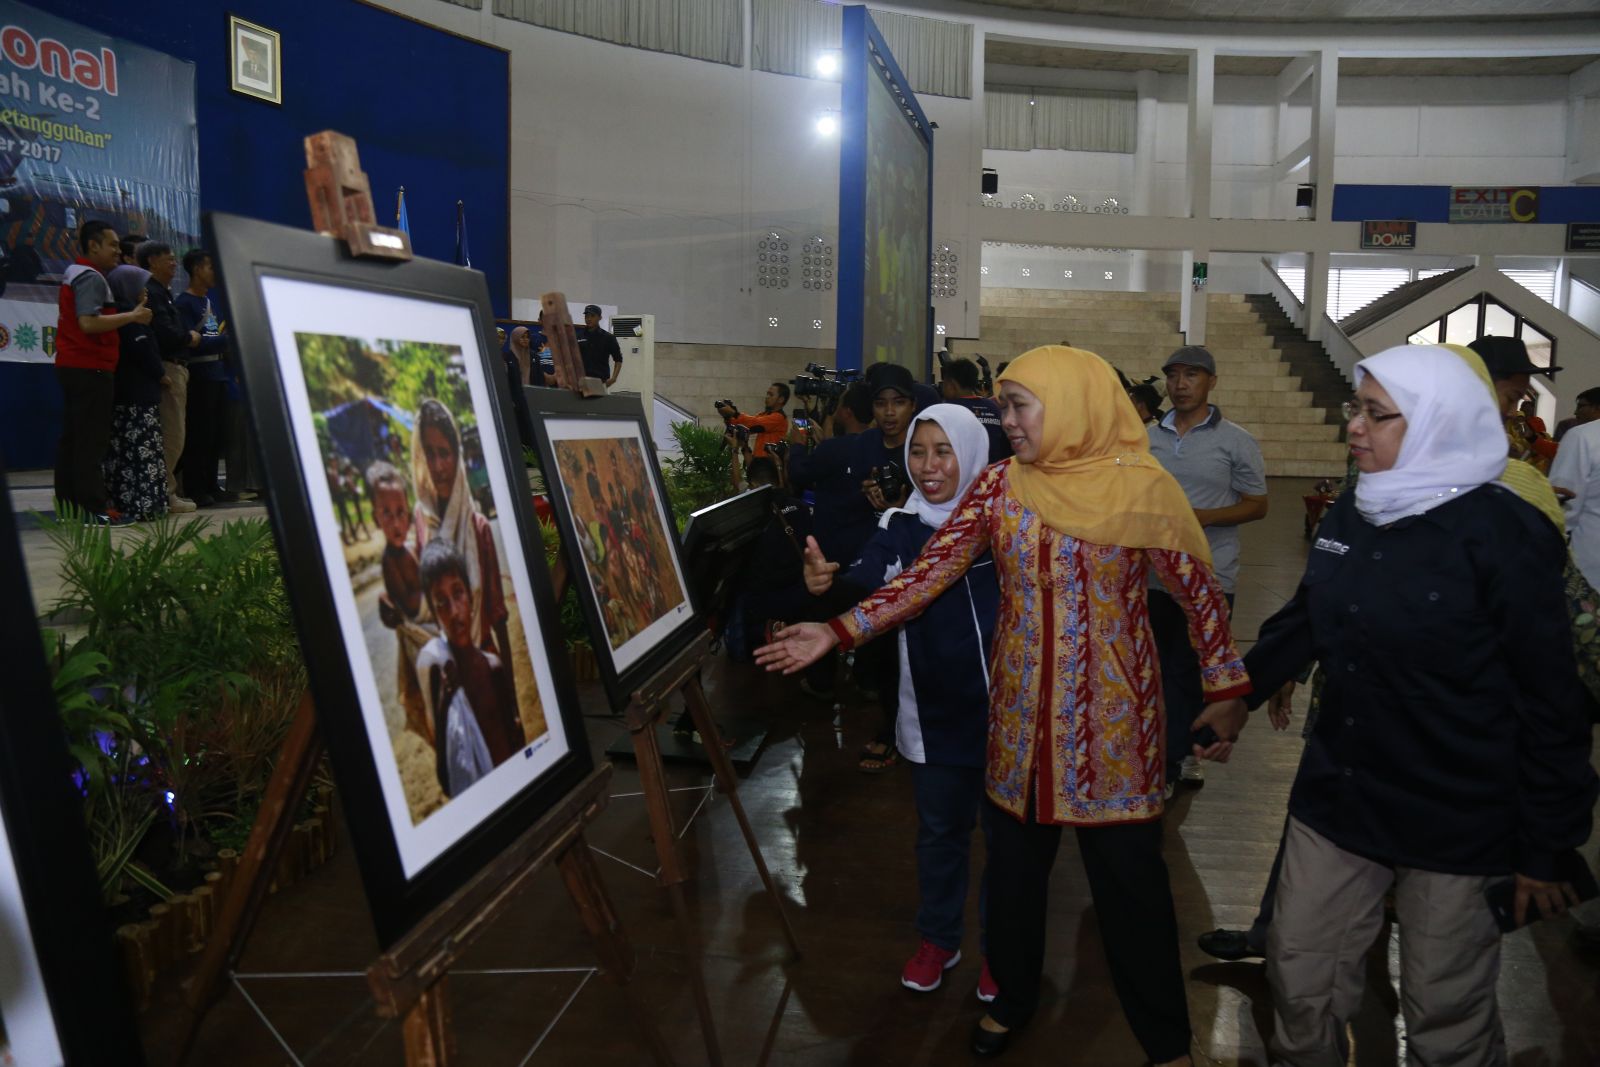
(1353, 410)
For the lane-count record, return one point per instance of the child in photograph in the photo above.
(445, 508)
(469, 693)
(402, 606)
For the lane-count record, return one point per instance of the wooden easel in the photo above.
(408, 981)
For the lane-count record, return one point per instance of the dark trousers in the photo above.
(1256, 936)
(1132, 901)
(948, 799)
(88, 397)
(878, 667)
(203, 440)
(239, 447)
(1180, 675)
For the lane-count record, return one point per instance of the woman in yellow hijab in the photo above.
(1076, 521)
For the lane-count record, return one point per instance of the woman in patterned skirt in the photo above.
(135, 466)
(1076, 522)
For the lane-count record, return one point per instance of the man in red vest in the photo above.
(86, 364)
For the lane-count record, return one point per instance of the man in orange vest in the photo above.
(86, 364)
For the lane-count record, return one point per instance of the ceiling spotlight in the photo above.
(827, 64)
(827, 124)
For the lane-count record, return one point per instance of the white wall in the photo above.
(1583, 304)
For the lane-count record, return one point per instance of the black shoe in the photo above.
(1230, 945)
(987, 1043)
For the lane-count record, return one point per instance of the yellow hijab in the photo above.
(1095, 478)
(1521, 477)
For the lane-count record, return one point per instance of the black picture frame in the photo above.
(251, 256)
(626, 416)
(85, 1003)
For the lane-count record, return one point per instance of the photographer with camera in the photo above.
(769, 427)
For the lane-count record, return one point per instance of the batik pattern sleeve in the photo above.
(1192, 584)
(944, 560)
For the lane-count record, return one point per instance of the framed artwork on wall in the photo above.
(411, 553)
(606, 489)
(62, 996)
(255, 60)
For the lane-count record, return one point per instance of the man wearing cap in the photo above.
(601, 355)
(1507, 361)
(1219, 466)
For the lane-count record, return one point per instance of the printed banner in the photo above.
(91, 127)
(1494, 204)
(1583, 237)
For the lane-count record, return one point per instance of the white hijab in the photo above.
(450, 519)
(971, 443)
(1454, 439)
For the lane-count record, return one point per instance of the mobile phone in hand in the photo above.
(1502, 896)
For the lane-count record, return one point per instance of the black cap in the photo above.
(1506, 357)
(593, 309)
(1191, 356)
(881, 376)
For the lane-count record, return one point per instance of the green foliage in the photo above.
(418, 371)
(184, 677)
(573, 626)
(700, 474)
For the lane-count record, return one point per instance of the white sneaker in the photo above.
(180, 505)
(1192, 774)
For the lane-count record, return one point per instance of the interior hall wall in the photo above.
(429, 111)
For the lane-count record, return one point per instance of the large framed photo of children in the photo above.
(405, 524)
(609, 500)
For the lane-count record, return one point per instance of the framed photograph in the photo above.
(406, 529)
(255, 66)
(62, 997)
(605, 486)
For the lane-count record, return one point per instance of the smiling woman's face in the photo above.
(1022, 418)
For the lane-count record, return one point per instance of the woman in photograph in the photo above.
(445, 508)
(1076, 521)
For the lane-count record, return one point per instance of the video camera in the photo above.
(822, 386)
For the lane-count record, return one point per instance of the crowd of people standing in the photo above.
(1109, 543)
(151, 406)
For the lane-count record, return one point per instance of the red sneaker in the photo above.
(987, 988)
(924, 971)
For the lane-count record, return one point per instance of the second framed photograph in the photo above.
(255, 57)
(609, 500)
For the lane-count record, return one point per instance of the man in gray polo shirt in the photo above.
(1219, 466)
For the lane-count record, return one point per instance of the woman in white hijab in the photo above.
(1451, 757)
(944, 681)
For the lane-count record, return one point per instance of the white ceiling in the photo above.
(1313, 10)
(1045, 55)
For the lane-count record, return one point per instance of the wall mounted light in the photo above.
(827, 63)
(827, 123)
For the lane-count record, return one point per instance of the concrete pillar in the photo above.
(1316, 290)
(1324, 116)
(1144, 173)
(1202, 87)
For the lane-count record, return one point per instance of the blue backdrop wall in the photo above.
(430, 111)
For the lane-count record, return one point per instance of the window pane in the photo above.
(1428, 335)
(1540, 347)
(1461, 326)
(1497, 321)
(1541, 283)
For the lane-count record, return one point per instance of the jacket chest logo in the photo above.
(1330, 545)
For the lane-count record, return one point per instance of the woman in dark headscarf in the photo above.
(135, 467)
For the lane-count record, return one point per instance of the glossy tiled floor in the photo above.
(840, 842)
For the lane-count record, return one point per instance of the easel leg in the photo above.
(291, 776)
(426, 1029)
(583, 883)
(652, 780)
(694, 693)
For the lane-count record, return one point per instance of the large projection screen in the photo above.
(885, 209)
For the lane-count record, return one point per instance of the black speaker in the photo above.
(1305, 196)
(991, 181)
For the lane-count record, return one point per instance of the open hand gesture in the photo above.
(819, 572)
(796, 647)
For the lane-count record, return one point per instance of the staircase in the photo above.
(1270, 379)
